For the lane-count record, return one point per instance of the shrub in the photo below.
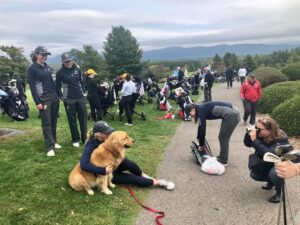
(292, 71)
(268, 76)
(276, 94)
(287, 115)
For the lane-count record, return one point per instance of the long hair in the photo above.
(270, 124)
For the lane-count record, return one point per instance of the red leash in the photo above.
(160, 213)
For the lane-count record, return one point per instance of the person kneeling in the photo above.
(264, 137)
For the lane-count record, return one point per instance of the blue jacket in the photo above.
(85, 161)
(40, 81)
(72, 82)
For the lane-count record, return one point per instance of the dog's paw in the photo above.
(112, 185)
(90, 192)
(107, 192)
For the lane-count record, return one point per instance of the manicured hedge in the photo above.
(292, 71)
(269, 75)
(287, 114)
(276, 94)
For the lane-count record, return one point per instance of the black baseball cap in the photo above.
(66, 57)
(41, 50)
(102, 127)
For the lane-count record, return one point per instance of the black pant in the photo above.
(242, 79)
(229, 81)
(207, 94)
(96, 108)
(250, 109)
(48, 117)
(133, 177)
(127, 106)
(75, 108)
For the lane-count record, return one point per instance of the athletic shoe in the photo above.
(76, 144)
(224, 163)
(51, 153)
(57, 146)
(167, 185)
(128, 124)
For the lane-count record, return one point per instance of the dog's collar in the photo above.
(115, 154)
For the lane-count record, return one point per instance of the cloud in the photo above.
(65, 24)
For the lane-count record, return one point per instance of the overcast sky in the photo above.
(61, 25)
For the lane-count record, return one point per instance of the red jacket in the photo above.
(251, 92)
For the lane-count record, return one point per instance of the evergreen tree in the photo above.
(90, 58)
(249, 63)
(14, 62)
(122, 53)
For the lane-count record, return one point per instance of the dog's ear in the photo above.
(116, 141)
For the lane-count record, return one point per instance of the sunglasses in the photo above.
(259, 129)
(66, 62)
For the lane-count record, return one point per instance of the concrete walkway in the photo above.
(231, 199)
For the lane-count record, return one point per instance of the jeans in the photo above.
(270, 177)
(250, 109)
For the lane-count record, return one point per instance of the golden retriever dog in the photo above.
(111, 152)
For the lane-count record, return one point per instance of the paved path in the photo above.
(230, 199)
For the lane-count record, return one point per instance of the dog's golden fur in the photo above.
(111, 152)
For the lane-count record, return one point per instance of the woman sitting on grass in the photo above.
(133, 175)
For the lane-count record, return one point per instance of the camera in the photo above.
(250, 128)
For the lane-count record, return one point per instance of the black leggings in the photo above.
(134, 177)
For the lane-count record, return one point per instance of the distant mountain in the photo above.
(177, 53)
(54, 60)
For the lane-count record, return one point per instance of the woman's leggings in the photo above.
(133, 175)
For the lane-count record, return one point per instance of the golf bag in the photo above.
(12, 104)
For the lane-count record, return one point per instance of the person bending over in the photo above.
(265, 137)
(230, 117)
(128, 172)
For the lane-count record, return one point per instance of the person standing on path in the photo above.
(242, 74)
(44, 94)
(250, 94)
(70, 78)
(229, 76)
(230, 117)
(208, 83)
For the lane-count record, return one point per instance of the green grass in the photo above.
(34, 189)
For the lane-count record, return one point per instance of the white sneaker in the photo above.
(128, 124)
(167, 185)
(57, 146)
(51, 153)
(76, 144)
